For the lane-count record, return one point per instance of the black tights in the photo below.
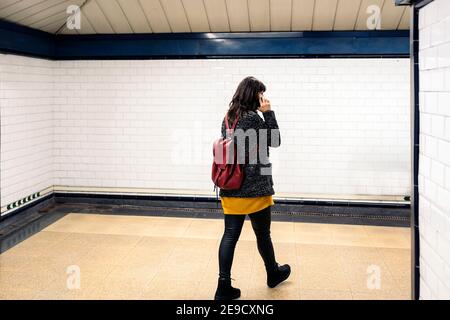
(233, 226)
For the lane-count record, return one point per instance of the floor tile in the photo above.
(135, 257)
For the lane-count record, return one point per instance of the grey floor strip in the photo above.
(24, 224)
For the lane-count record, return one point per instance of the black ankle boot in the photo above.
(225, 291)
(278, 275)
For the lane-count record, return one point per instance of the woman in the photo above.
(255, 195)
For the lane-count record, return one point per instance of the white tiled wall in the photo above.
(26, 106)
(434, 161)
(344, 122)
(150, 123)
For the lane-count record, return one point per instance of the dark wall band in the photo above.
(315, 44)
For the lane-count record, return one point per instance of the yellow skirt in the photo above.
(238, 205)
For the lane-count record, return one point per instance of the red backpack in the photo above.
(227, 175)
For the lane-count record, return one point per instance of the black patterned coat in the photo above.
(259, 135)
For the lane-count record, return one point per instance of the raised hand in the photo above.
(264, 104)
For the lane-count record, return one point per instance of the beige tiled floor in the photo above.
(131, 257)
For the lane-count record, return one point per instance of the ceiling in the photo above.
(157, 16)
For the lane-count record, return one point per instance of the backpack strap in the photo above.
(229, 131)
(234, 124)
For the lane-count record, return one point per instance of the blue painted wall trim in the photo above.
(26, 41)
(206, 45)
(23, 40)
(417, 3)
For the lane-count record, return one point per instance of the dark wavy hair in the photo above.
(245, 98)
